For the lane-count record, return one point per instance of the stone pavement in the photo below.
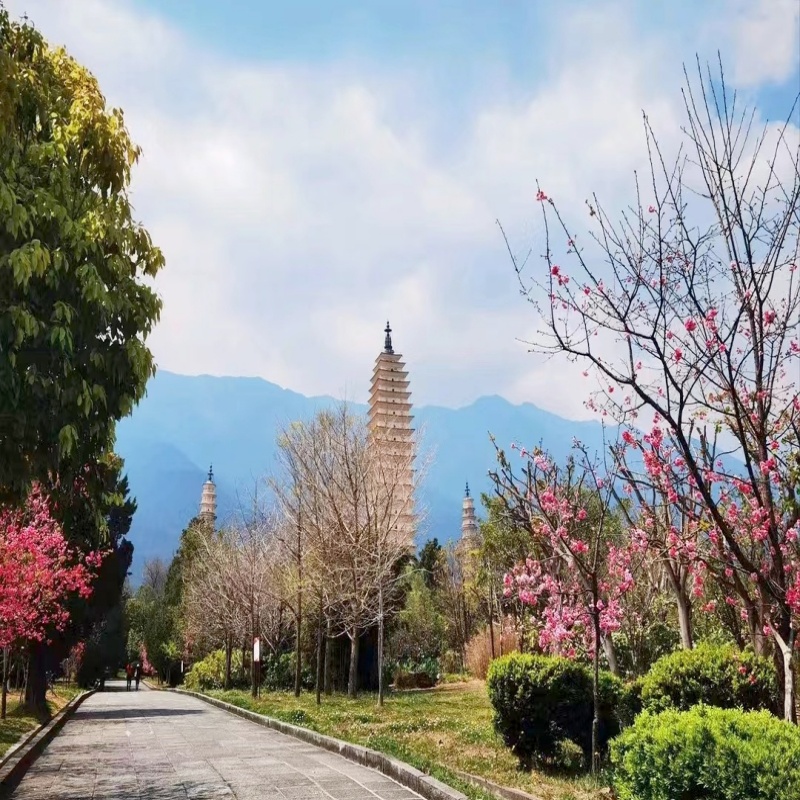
(150, 745)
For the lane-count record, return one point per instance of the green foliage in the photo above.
(421, 674)
(421, 628)
(277, 672)
(430, 557)
(711, 674)
(539, 701)
(74, 310)
(209, 673)
(706, 752)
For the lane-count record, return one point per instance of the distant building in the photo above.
(391, 431)
(470, 531)
(208, 500)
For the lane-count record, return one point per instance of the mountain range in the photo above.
(186, 423)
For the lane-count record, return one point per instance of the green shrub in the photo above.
(706, 752)
(712, 674)
(209, 673)
(539, 701)
(277, 672)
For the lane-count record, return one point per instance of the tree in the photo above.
(687, 310)
(429, 560)
(39, 573)
(578, 569)
(74, 310)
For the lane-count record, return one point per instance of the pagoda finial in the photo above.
(466, 493)
(211, 473)
(387, 342)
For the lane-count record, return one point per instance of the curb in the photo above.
(505, 792)
(19, 758)
(403, 773)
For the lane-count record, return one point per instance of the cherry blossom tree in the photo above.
(685, 312)
(579, 567)
(39, 574)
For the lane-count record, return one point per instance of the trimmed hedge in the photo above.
(540, 701)
(714, 753)
(715, 675)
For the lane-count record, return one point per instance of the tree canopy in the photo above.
(75, 305)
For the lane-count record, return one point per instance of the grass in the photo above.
(19, 721)
(440, 731)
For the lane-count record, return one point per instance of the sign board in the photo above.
(256, 649)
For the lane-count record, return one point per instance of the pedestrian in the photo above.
(137, 674)
(128, 676)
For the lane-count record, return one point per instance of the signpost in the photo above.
(256, 667)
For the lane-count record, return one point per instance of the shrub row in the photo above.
(706, 752)
(541, 702)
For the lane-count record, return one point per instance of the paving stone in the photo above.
(150, 745)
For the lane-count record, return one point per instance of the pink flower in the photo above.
(678, 354)
(540, 195)
(690, 325)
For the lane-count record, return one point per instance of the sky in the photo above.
(312, 169)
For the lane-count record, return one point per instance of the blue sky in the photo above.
(312, 168)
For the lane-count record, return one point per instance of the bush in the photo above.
(724, 754)
(416, 674)
(712, 674)
(277, 672)
(209, 672)
(539, 701)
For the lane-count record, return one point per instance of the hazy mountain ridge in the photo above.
(187, 423)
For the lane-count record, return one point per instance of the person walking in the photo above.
(137, 674)
(128, 676)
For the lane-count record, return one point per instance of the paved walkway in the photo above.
(152, 745)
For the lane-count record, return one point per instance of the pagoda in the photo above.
(208, 500)
(390, 429)
(470, 533)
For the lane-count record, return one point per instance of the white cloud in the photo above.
(299, 207)
(766, 37)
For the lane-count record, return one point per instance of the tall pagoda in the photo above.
(390, 428)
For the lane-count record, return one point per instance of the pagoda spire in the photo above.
(387, 342)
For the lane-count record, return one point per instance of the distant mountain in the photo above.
(186, 423)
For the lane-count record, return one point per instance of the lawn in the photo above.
(439, 730)
(19, 722)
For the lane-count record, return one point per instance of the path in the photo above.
(150, 745)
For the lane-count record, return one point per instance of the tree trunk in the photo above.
(352, 680)
(36, 679)
(491, 624)
(4, 690)
(787, 652)
(684, 618)
(596, 692)
(320, 667)
(610, 654)
(244, 659)
(328, 682)
(228, 656)
(380, 646)
(298, 661)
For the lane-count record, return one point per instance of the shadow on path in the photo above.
(134, 713)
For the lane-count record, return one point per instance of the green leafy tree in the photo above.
(74, 308)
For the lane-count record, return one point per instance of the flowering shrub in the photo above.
(707, 752)
(716, 676)
(540, 701)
